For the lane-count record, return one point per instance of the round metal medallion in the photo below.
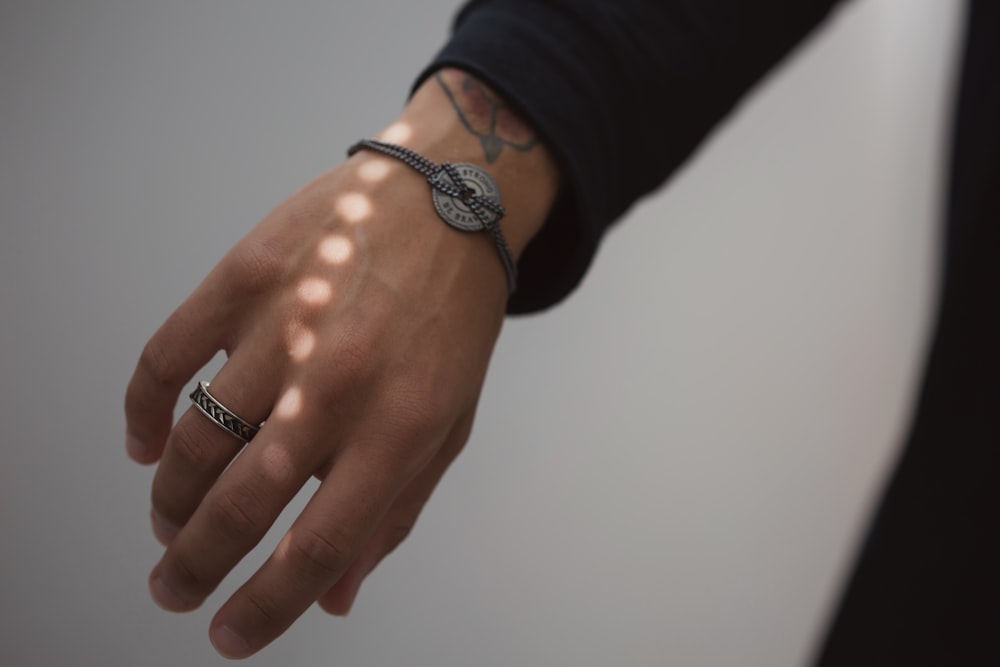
(453, 210)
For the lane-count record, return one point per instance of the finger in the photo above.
(396, 525)
(242, 505)
(198, 449)
(315, 552)
(187, 341)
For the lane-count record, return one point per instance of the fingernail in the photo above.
(165, 597)
(136, 448)
(162, 529)
(230, 644)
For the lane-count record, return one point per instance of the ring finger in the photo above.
(199, 449)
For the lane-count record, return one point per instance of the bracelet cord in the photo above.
(446, 179)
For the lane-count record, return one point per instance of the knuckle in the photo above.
(409, 434)
(257, 265)
(427, 410)
(238, 512)
(171, 508)
(194, 448)
(266, 606)
(354, 365)
(356, 355)
(184, 578)
(319, 556)
(156, 364)
(420, 413)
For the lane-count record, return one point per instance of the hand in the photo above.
(359, 326)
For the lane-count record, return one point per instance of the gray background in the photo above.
(670, 468)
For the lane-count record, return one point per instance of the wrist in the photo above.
(454, 118)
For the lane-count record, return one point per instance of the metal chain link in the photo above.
(488, 212)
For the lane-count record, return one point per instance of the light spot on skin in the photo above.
(278, 466)
(315, 291)
(397, 133)
(301, 342)
(281, 551)
(353, 207)
(289, 405)
(336, 249)
(374, 170)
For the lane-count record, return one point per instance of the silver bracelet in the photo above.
(465, 196)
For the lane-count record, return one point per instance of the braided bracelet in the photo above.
(465, 196)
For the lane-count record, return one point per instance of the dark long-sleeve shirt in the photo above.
(622, 92)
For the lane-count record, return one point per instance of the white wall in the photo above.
(670, 468)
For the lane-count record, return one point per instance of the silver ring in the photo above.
(225, 418)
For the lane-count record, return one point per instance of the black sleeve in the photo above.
(622, 91)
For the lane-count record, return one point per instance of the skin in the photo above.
(360, 326)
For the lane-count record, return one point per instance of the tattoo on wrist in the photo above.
(485, 115)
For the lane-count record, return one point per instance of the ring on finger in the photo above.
(222, 416)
